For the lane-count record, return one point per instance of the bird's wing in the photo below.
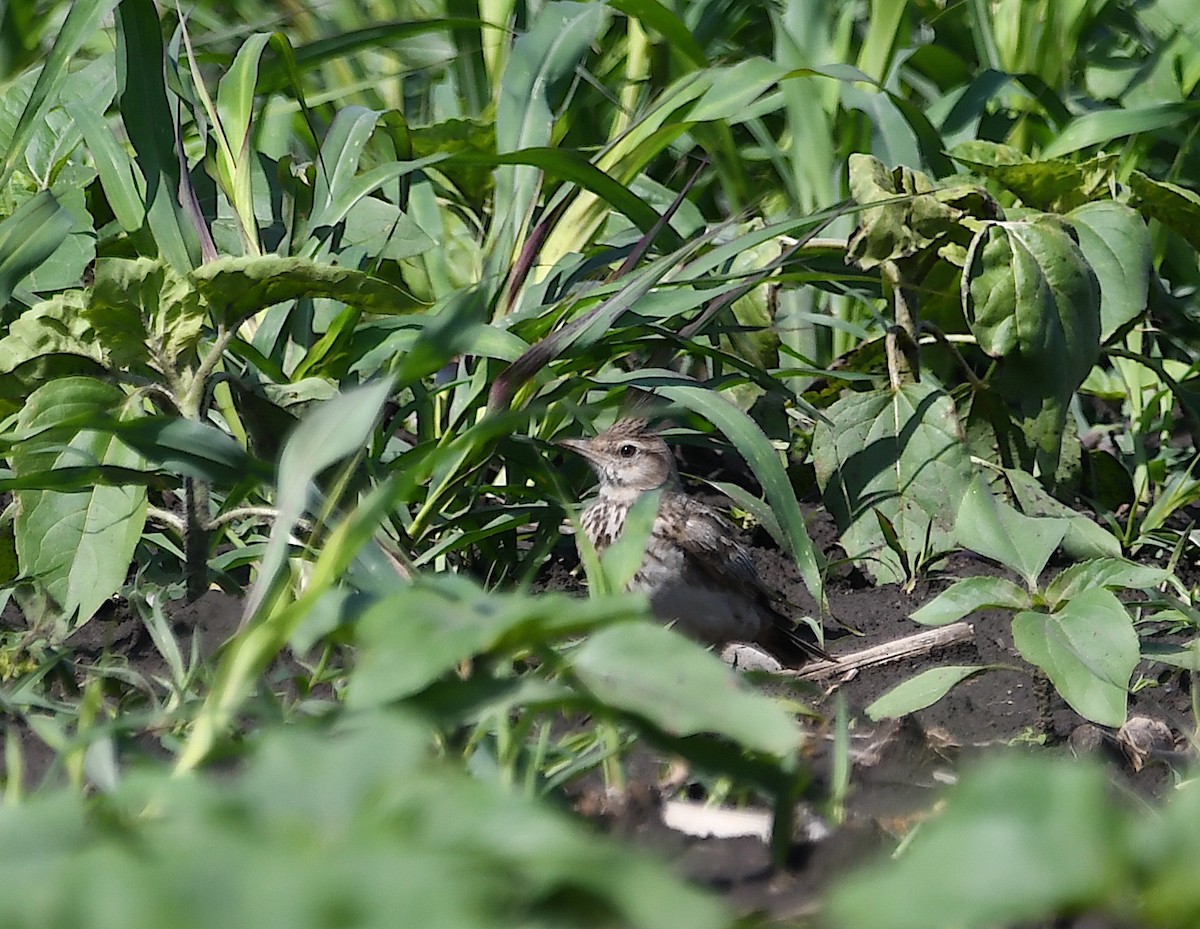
(710, 542)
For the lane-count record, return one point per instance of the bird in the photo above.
(698, 576)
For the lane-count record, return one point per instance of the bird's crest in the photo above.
(632, 427)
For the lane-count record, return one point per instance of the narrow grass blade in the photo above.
(82, 22)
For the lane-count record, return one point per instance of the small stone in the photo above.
(1085, 740)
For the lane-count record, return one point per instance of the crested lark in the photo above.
(697, 574)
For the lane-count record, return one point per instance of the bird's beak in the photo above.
(579, 447)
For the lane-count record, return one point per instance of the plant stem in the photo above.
(195, 536)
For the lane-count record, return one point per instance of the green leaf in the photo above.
(925, 689)
(236, 288)
(1175, 655)
(1116, 243)
(1084, 538)
(992, 528)
(79, 545)
(120, 178)
(57, 325)
(415, 637)
(35, 230)
(664, 21)
(82, 22)
(1111, 573)
(570, 166)
(899, 452)
(198, 450)
(1022, 840)
(1175, 207)
(145, 313)
(964, 597)
(1102, 126)
(913, 214)
(1055, 185)
(149, 121)
(1032, 300)
(1028, 292)
(235, 108)
(622, 559)
(540, 65)
(329, 433)
(656, 674)
(1088, 649)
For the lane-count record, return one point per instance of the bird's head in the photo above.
(628, 457)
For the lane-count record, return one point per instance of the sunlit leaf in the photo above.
(925, 689)
(654, 673)
(1088, 649)
(899, 452)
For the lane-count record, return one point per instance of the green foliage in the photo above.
(352, 826)
(1067, 848)
(298, 313)
(896, 456)
(77, 545)
(1073, 628)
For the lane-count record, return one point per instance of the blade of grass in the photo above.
(83, 21)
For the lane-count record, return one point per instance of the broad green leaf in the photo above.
(992, 528)
(79, 545)
(384, 230)
(925, 689)
(1176, 207)
(1028, 292)
(913, 214)
(899, 452)
(236, 288)
(1055, 185)
(16, 385)
(1113, 573)
(67, 265)
(57, 325)
(683, 689)
(360, 818)
(198, 450)
(28, 237)
(145, 313)
(1022, 840)
(1032, 300)
(1088, 649)
(964, 597)
(1115, 241)
(1084, 538)
(418, 635)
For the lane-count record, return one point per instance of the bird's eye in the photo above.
(627, 450)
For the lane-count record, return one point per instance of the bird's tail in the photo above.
(793, 644)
